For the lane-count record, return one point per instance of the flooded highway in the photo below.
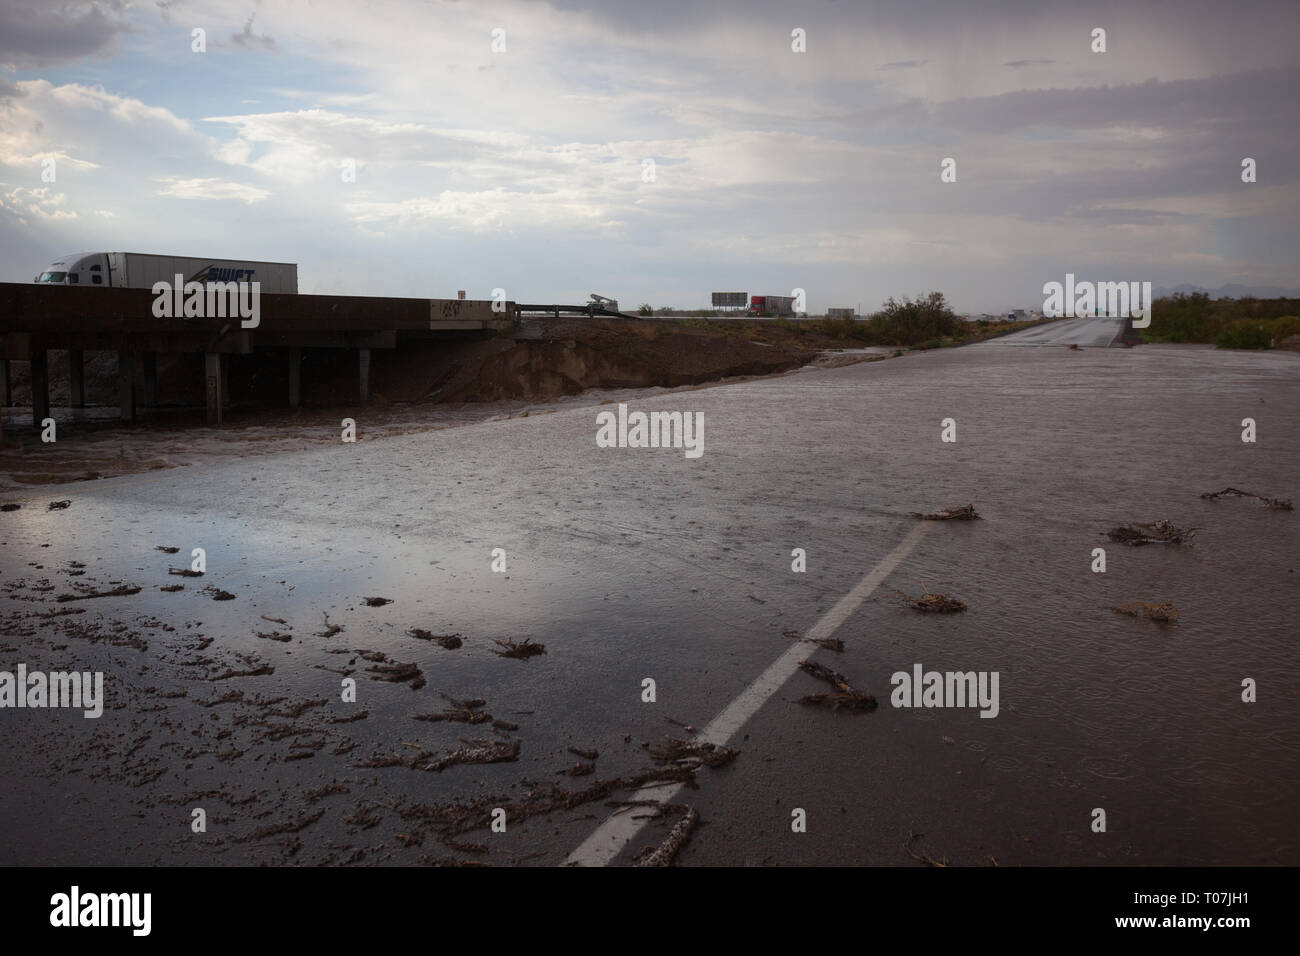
(664, 588)
(1098, 332)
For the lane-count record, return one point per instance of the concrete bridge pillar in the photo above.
(126, 385)
(40, 363)
(295, 376)
(149, 379)
(213, 376)
(77, 378)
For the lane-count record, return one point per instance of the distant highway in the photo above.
(1085, 333)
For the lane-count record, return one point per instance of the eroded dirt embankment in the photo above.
(575, 357)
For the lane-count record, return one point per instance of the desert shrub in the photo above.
(1245, 334)
(1284, 326)
(913, 320)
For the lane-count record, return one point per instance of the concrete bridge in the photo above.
(35, 319)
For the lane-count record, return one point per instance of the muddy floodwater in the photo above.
(345, 561)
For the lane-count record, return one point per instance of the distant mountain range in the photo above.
(1233, 290)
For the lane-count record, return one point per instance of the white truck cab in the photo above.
(81, 268)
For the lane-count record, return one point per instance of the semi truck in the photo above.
(136, 270)
(771, 305)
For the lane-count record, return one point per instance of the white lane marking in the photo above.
(616, 832)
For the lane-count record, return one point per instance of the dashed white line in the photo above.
(615, 833)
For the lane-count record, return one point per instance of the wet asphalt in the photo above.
(631, 564)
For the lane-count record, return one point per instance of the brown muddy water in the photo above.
(630, 564)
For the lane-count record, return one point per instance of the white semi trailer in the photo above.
(136, 270)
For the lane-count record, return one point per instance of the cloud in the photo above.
(38, 33)
(84, 128)
(250, 40)
(525, 167)
(211, 189)
(41, 203)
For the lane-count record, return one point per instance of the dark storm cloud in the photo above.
(1018, 64)
(918, 16)
(37, 33)
(1261, 99)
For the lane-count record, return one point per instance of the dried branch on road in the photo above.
(691, 754)
(474, 751)
(922, 857)
(1163, 613)
(1155, 532)
(845, 696)
(938, 602)
(122, 591)
(664, 854)
(460, 711)
(964, 513)
(520, 649)
(449, 641)
(398, 674)
(1278, 503)
(830, 643)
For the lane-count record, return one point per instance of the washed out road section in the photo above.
(630, 564)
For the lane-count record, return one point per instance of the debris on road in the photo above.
(519, 650)
(830, 643)
(964, 513)
(398, 674)
(123, 591)
(377, 601)
(449, 641)
(229, 673)
(689, 728)
(276, 829)
(59, 505)
(938, 603)
(922, 857)
(1155, 532)
(185, 573)
(474, 751)
(460, 711)
(330, 629)
(218, 594)
(690, 754)
(845, 695)
(584, 754)
(477, 751)
(541, 798)
(1278, 503)
(664, 854)
(166, 550)
(1163, 613)
(9, 506)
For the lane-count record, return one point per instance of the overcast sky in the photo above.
(773, 169)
